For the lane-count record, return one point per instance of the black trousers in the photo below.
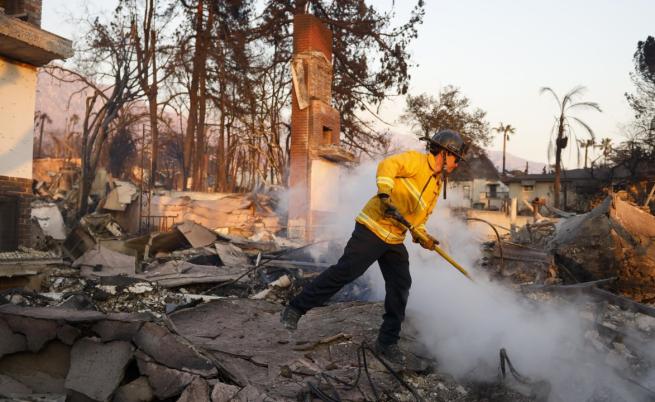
(362, 250)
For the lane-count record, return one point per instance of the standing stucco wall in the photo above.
(540, 190)
(17, 100)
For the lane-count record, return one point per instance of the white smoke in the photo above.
(465, 324)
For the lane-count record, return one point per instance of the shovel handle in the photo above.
(417, 234)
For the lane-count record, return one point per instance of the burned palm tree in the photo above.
(563, 127)
(586, 144)
(507, 130)
(122, 147)
(42, 118)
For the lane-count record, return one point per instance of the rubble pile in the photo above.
(324, 353)
(615, 239)
(26, 267)
(191, 313)
(56, 178)
(246, 215)
(621, 334)
(91, 356)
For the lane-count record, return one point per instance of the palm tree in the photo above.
(563, 127)
(506, 129)
(42, 118)
(606, 148)
(590, 142)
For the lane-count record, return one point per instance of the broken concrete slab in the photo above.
(52, 313)
(96, 368)
(22, 267)
(43, 372)
(197, 235)
(11, 342)
(181, 273)
(197, 391)
(172, 351)
(9, 387)
(37, 332)
(231, 254)
(102, 261)
(245, 336)
(224, 392)
(138, 390)
(68, 334)
(249, 393)
(166, 382)
(36, 398)
(112, 330)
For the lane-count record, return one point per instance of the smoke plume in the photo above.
(465, 324)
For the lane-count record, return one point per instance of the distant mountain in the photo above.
(60, 100)
(513, 162)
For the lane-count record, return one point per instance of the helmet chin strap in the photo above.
(444, 174)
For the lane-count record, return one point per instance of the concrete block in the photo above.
(224, 392)
(109, 330)
(138, 390)
(9, 386)
(171, 351)
(165, 382)
(37, 332)
(68, 334)
(11, 342)
(97, 368)
(197, 391)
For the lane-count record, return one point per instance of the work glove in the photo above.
(385, 204)
(426, 241)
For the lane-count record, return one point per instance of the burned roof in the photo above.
(586, 174)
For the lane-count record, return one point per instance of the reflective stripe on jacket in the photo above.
(409, 179)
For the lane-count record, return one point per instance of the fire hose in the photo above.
(419, 235)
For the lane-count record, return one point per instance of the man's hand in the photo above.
(426, 241)
(385, 203)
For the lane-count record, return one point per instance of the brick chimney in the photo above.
(315, 155)
(27, 10)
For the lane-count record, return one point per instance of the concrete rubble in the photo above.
(191, 313)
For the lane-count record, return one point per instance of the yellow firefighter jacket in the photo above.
(409, 179)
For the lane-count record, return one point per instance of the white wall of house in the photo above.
(529, 190)
(459, 194)
(17, 102)
(465, 194)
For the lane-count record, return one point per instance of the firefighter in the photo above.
(410, 183)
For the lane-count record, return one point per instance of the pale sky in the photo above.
(500, 52)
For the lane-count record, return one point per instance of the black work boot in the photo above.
(289, 318)
(391, 353)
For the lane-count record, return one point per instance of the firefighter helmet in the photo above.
(448, 140)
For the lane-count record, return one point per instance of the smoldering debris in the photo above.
(209, 295)
(555, 331)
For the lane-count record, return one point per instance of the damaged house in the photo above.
(476, 184)
(579, 187)
(24, 47)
